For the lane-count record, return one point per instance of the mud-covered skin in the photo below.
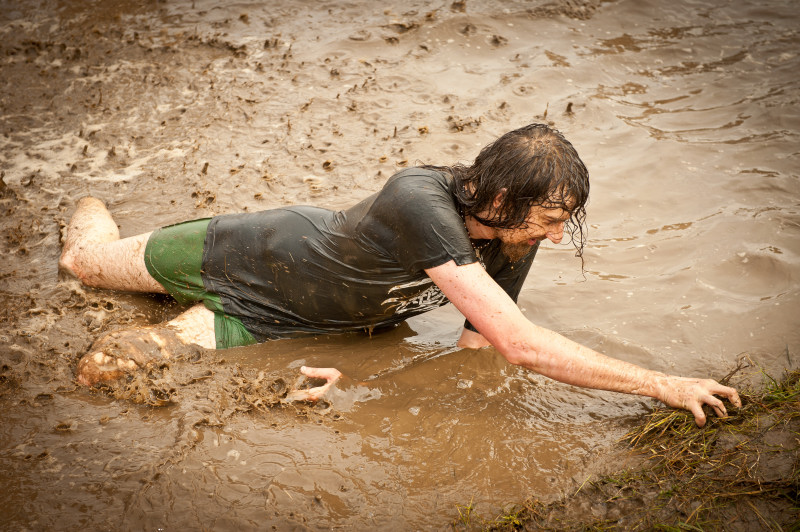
(136, 352)
(94, 253)
(124, 351)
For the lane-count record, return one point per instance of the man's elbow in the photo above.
(519, 354)
(517, 359)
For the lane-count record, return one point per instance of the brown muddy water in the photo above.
(685, 112)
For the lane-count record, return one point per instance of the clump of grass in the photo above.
(741, 472)
(742, 467)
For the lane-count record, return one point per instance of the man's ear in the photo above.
(500, 198)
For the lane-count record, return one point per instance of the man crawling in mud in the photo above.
(467, 235)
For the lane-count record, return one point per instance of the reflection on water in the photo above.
(686, 117)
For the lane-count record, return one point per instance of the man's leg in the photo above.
(127, 350)
(94, 253)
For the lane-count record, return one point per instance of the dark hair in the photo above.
(536, 166)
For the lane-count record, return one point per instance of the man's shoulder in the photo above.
(416, 217)
(417, 174)
(417, 183)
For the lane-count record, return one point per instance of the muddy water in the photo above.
(686, 115)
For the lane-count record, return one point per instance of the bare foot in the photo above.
(91, 223)
(125, 351)
(98, 367)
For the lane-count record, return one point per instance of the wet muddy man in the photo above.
(463, 234)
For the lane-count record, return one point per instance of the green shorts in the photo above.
(174, 257)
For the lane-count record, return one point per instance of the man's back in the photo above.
(297, 270)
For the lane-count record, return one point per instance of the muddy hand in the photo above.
(330, 375)
(692, 394)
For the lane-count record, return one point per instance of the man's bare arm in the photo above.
(521, 342)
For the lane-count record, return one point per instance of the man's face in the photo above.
(542, 222)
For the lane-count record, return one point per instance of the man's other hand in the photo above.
(330, 375)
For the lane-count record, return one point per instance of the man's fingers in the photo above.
(329, 374)
(729, 393)
(311, 394)
(718, 406)
(699, 415)
(733, 397)
(715, 403)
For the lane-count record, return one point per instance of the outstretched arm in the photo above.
(521, 342)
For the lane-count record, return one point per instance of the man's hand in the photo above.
(692, 394)
(330, 375)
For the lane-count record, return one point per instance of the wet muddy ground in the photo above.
(685, 114)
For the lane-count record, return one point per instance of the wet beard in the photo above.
(515, 252)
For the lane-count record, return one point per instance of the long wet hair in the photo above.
(536, 166)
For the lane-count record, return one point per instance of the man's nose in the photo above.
(556, 235)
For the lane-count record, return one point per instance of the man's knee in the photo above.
(116, 265)
(73, 261)
(89, 263)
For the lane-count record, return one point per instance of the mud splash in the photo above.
(171, 111)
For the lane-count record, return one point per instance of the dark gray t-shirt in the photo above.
(296, 270)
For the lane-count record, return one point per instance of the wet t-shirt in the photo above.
(306, 270)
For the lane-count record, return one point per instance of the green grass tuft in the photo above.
(740, 472)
